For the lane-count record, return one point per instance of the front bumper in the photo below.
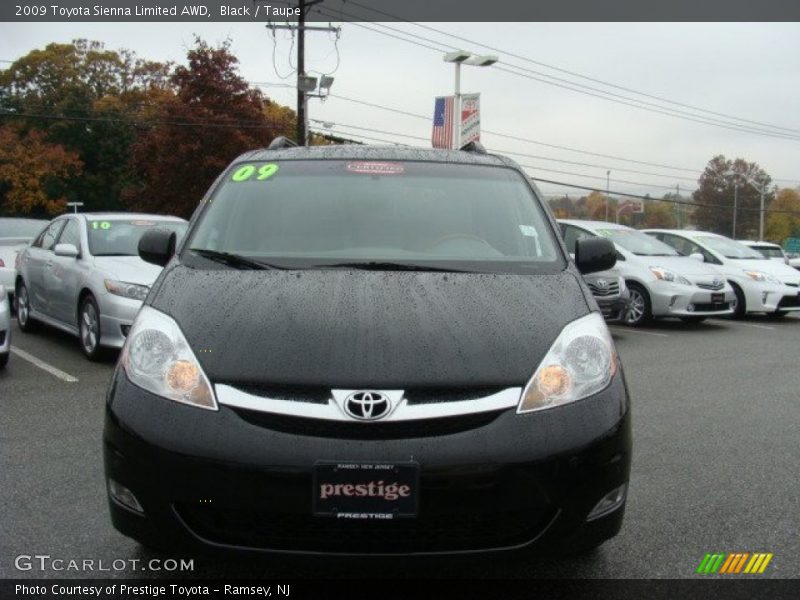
(116, 317)
(770, 297)
(614, 308)
(675, 300)
(215, 481)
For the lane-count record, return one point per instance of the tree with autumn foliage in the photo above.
(213, 117)
(34, 174)
(85, 99)
(782, 225)
(715, 197)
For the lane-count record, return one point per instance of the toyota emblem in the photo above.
(367, 405)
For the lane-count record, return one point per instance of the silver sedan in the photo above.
(83, 275)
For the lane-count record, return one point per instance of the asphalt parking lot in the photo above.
(716, 454)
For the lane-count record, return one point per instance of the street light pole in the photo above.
(608, 188)
(457, 57)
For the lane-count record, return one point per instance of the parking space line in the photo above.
(754, 325)
(639, 331)
(44, 366)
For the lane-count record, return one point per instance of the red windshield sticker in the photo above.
(143, 223)
(376, 168)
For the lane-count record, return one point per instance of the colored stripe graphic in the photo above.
(734, 563)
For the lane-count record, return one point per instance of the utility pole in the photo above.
(678, 205)
(735, 201)
(305, 85)
(608, 198)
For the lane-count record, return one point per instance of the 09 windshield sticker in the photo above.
(376, 168)
(254, 172)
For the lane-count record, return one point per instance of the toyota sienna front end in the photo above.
(369, 351)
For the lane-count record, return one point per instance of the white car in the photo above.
(15, 234)
(768, 249)
(761, 285)
(662, 283)
(5, 327)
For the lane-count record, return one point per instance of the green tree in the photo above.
(715, 196)
(780, 226)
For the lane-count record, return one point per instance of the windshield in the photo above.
(336, 213)
(769, 251)
(728, 248)
(21, 228)
(637, 242)
(118, 237)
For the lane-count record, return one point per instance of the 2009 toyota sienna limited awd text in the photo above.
(363, 350)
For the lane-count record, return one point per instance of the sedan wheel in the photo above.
(90, 329)
(639, 308)
(24, 309)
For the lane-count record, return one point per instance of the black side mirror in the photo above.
(595, 254)
(157, 246)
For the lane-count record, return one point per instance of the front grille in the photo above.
(789, 302)
(710, 307)
(451, 531)
(320, 395)
(711, 286)
(611, 290)
(377, 430)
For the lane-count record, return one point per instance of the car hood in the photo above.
(772, 267)
(130, 269)
(682, 265)
(352, 329)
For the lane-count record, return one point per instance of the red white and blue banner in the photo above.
(442, 136)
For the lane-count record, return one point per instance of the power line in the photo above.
(573, 73)
(578, 87)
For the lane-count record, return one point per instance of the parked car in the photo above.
(761, 285)
(364, 350)
(611, 294)
(15, 234)
(5, 327)
(794, 260)
(768, 249)
(82, 274)
(661, 282)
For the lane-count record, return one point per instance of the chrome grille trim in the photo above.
(710, 286)
(611, 290)
(230, 396)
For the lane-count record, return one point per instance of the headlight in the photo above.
(580, 363)
(667, 275)
(126, 290)
(158, 358)
(761, 276)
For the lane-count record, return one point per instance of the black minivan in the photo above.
(368, 350)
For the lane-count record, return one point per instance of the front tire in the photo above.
(739, 304)
(89, 329)
(639, 311)
(23, 302)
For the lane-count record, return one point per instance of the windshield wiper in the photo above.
(234, 260)
(390, 266)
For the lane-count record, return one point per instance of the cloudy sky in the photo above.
(746, 70)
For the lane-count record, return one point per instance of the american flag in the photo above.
(443, 123)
